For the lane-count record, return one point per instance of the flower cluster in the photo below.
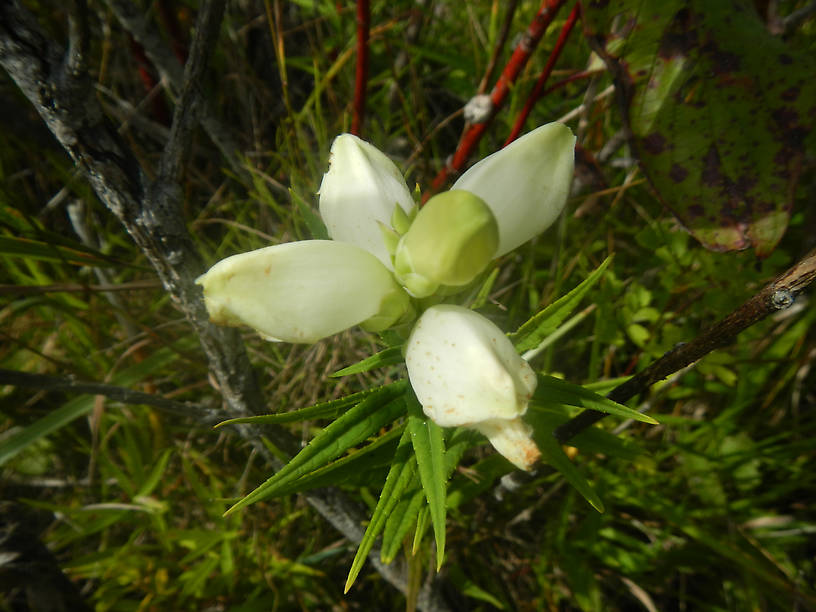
(385, 254)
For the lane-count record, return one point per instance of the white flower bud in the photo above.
(466, 372)
(359, 193)
(525, 184)
(303, 291)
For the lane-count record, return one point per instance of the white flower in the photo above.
(466, 372)
(358, 195)
(525, 184)
(303, 291)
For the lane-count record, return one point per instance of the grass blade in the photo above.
(541, 325)
(429, 447)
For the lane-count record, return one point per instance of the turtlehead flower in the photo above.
(466, 372)
(303, 291)
(526, 184)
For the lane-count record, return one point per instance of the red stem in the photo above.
(149, 80)
(521, 54)
(361, 75)
(171, 23)
(538, 90)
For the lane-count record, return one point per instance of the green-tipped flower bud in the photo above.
(451, 241)
(304, 291)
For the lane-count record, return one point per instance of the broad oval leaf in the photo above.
(719, 111)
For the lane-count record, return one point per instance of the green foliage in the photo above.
(720, 110)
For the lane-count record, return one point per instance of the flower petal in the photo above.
(512, 438)
(525, 184)
(303, 291)
(464, 370)
(359, 193)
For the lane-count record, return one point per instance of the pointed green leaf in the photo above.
(403, 470)
(467, 587)
(389, 356)
(531, 333)
(324, 410)
(560, 332)
(429, 447)
(421, 528)
(555, 390)
(362, 421)
(353, 466)
(553, 454)
(593, 440)
(481, 297)
(402, 519)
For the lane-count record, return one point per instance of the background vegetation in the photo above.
(710, 510)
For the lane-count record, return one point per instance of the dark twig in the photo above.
(361, 72)
(538, 90)
(21, 290)
(775, 296)
(521, 54)
(44, 382)
(191, 100)
(163, 58)
(77, 39)
(797, 18)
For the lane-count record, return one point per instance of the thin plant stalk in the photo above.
(361, 72)
(538, 90)
(521, 55)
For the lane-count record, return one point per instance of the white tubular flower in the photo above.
(465, 372)
(358, 195)
(525, 184)
(303, 291)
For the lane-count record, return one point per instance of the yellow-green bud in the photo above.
(451, 241)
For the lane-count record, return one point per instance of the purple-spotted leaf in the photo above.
(719, 111)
